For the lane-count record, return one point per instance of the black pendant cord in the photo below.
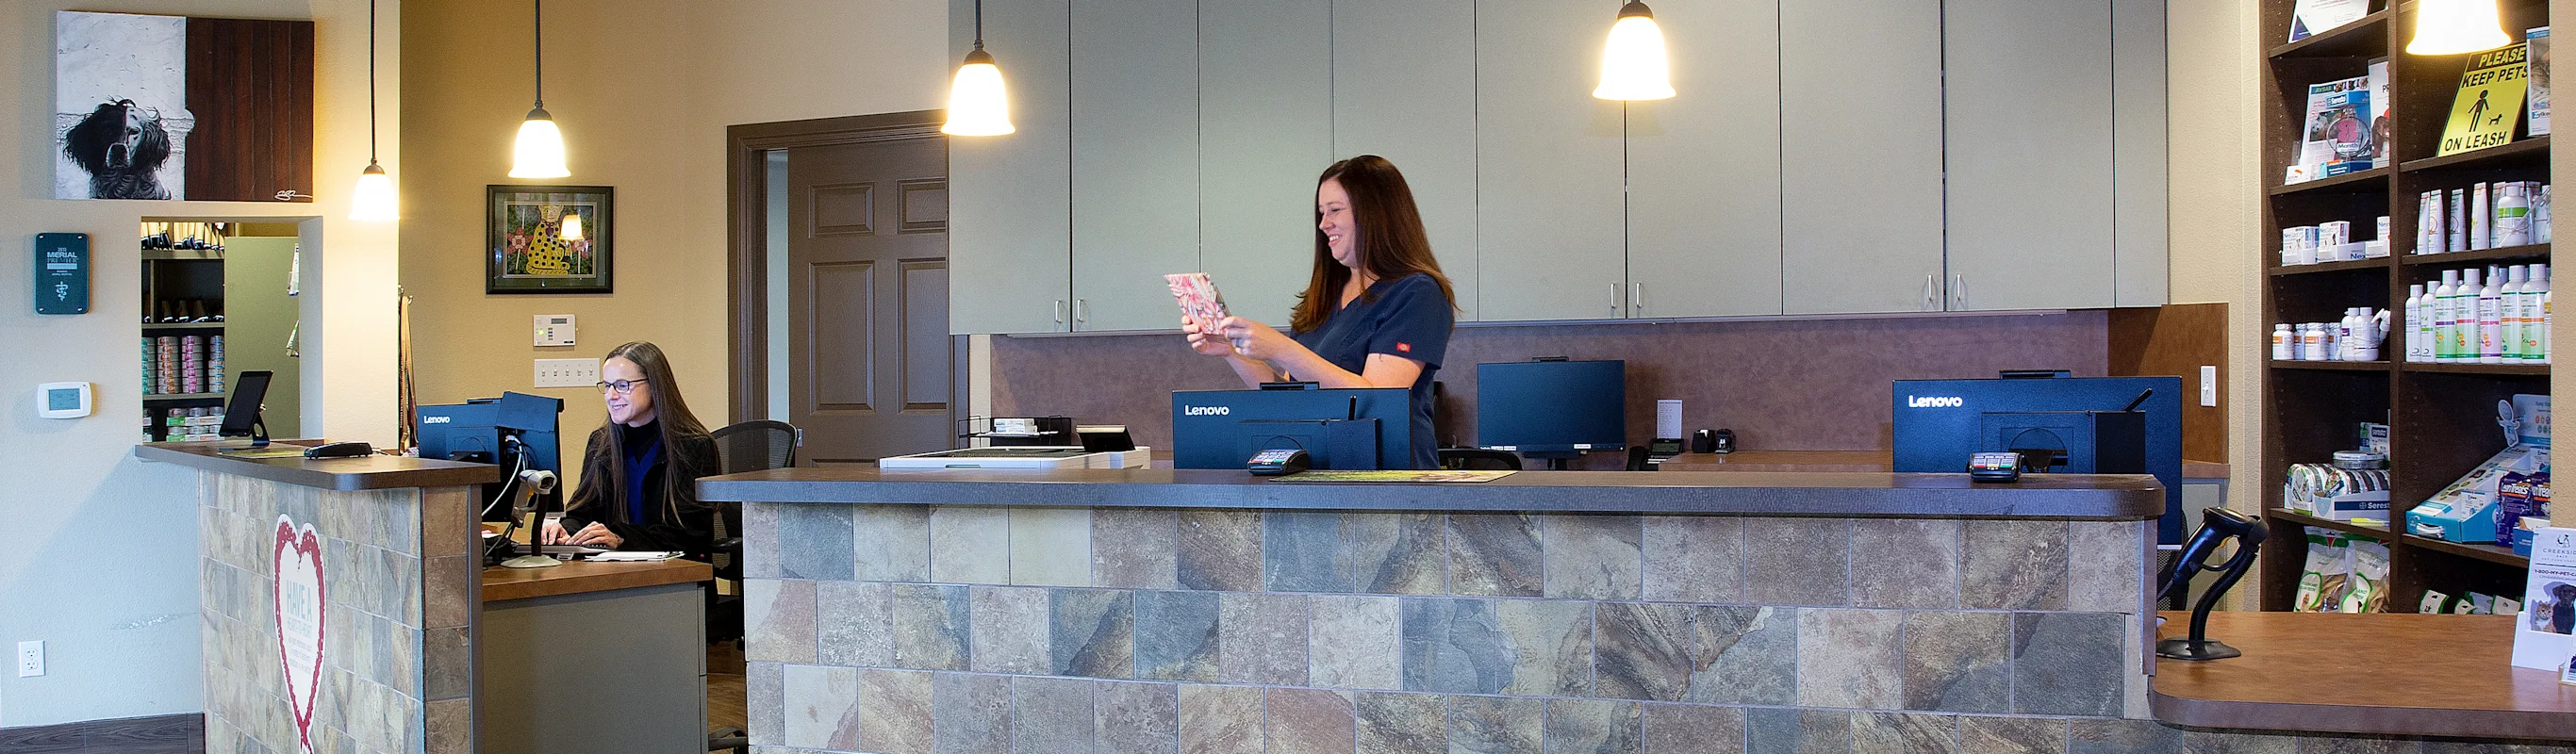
(979, 24)
(540, 26)
(371, 82)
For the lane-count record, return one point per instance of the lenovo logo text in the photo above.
(1933, 401)
(1206, 410)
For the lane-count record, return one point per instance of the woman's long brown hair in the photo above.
(676, 421)
(1391, 241)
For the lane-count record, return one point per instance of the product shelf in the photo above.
(2538, 251)
(2349, 366)
(2302, 519)
(2363, 37)
(2519, 370)
(2374, 179)
(2489, 553)
(183, 396)
(2528, 152)
(183, 326)
(2380, 263)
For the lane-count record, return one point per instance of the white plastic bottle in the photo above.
(2510, 312)
(2464, 307)
(2414, 319)
(2446, 317)
(2285, 344)
(2424, 326)
(2348, 335)
(2491, 319)
(2535, 315)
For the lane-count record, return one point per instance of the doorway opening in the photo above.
(220, 298)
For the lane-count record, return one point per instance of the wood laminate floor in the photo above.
(726, 704)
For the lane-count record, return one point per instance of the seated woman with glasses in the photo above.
(639, 474)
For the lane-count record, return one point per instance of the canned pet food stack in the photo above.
(2354, 486)
(151, 383)
(214, 363)
(165, 364)
(192, 364)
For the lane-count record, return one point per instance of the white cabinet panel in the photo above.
(1265, 132)
(1550, 218)
(1135, 159)
(1404, 88)
(1704, 167)
(1860, 154)
(1009, 198)
(2138, 185)
(2029, 123)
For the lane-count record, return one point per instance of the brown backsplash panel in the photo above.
(1780, 384)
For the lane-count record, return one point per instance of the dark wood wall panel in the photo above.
(250, 86)
(2179, 339)
(167, 734)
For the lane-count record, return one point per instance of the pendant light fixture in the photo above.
(1633, 65)
(2456, 27)
(540, 152)
(571, 225)
(977, 104)
(374, 199)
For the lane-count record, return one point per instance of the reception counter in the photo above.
(1209, 611)
(339, 600)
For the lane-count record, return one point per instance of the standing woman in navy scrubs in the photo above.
(1376, 313)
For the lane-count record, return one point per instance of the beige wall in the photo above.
(643, 90)
(102, 562)
(2216, 210)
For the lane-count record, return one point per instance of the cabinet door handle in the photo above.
(1615, 305)
(1637, 299)
(1959, 292)
(1081, 310)
(1931, 293)
(1059, 311)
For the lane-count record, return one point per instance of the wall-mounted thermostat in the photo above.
(62, 273)
(63, 400)
(554, 329)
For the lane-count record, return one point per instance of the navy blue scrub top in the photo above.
(1405, 317)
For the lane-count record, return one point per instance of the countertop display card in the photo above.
(2541, 639)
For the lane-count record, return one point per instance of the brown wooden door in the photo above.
(867, 256)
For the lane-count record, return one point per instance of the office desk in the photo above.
(594, 657)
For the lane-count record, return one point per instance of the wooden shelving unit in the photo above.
(2441, 417)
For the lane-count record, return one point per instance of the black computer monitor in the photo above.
(241, 417)
(1340, 429)
(1552, 408)
(479, 430)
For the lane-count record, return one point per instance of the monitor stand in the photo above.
(536, 557)
(258, 436)
(1556, 459)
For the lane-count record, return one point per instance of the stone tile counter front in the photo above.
(1144, 611)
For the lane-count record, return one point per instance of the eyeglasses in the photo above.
(620, 387)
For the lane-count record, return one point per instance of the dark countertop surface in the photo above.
(2385, 673)
(375, 472)
(1748, 493)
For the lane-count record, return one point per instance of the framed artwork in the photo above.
(548, 239)
(172, 107)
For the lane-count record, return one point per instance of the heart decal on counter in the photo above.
(298, 591)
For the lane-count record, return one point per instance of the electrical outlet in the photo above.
(2209, 385)
(567, 372)
(31, 659)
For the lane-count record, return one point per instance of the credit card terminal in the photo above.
(1994, 467)
(1276, 461)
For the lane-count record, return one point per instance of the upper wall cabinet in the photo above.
(1009, 199)
(2029, 111)
(2139, 155)
(1135, 159)
(1404, 88)
(1550, 218)
(1265, 131)
(1704, 167)
(1860, 155)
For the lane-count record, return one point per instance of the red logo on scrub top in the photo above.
(1404, 347)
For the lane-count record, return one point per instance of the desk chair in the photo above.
(1467, 458)
(749, 446)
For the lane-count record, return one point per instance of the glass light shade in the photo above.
(374, 200)
(2456, 27)
(572, 226)
(977, 104)
(1633, 65)
(540, 152)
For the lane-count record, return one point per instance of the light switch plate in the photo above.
(567, 372)
(2209, 385)
(554, 330)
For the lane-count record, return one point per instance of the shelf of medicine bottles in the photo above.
(2486, 552)
(183, 396)
(2364, 37)
(2531, 152)
(2374, 179)
(2353, 366)
(2295, 517)
(2345, 266)
(2526, 251)
(2524, 370)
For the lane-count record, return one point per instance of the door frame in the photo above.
(747, 235)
